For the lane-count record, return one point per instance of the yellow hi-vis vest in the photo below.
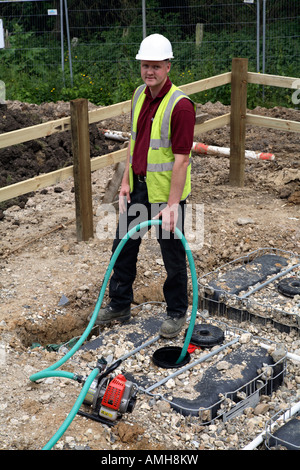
(160, 159)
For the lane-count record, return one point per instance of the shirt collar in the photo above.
(162, 92)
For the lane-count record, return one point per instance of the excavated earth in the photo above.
(50, 282)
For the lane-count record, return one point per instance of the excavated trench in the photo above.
(48, 332)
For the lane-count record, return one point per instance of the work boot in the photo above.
(107, 314)
(172, 326)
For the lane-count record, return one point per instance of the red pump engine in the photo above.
(110, 399)
(115, 398)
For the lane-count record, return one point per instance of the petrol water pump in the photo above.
(109, 397)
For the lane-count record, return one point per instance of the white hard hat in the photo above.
(155, 47)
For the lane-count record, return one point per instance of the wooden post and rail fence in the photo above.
(80, 118)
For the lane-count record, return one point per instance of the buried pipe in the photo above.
(260, 438)
(291, 356)
(203, 149)
(116, 135)
(198, 147)
(288, 355)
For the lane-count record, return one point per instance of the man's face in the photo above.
(154, 73)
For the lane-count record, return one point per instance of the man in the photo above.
(156, 178)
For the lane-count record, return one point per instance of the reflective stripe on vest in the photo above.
(168, 166)
(164, 140)
(137, 94)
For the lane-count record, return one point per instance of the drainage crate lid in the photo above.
(287, 435)
(289, 286)
(247, 274)
(207, 335)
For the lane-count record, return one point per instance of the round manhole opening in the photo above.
(167, 357)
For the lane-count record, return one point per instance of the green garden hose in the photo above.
(49, 372)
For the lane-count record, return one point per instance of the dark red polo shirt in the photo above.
(182, 127)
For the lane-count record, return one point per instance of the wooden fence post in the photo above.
(82, 168)
(238, 121)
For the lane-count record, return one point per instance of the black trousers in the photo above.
(172, 249)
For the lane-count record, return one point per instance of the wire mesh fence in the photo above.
(65, 48)
(31, 35)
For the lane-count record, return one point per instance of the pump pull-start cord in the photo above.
(45, 373)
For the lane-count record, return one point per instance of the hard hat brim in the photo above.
(149, 57)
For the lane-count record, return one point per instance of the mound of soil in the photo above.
(29, 159)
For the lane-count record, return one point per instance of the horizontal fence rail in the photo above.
(273, 80)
